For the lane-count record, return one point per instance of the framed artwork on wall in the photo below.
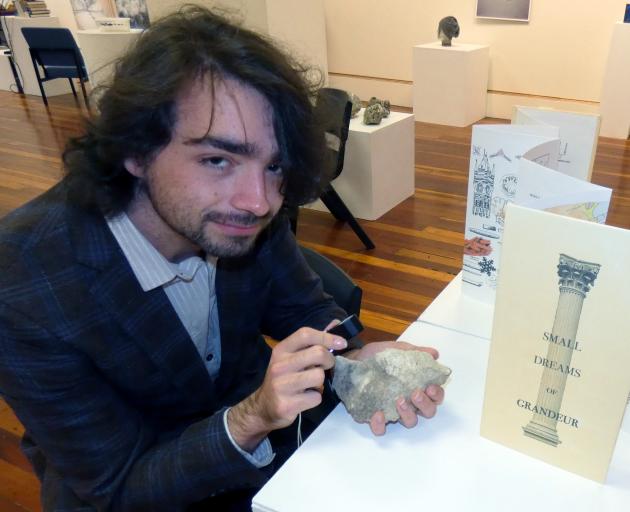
(86, 11)
(513, 10)
(135, 10)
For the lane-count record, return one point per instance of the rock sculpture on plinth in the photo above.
(383, 103)
(374, 114)
(448, 28)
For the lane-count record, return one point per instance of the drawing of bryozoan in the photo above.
(576, 279)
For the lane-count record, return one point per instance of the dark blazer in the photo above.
(119, 410)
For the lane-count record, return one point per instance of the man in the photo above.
(133, 294)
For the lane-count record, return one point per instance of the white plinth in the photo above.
(378, 171)
(7, 81)
(615, 102)
(450, 84)
(101, 49)
(23, 60)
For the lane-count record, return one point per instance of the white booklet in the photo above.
(578, 134)
(516, 164)
(545, 189)
(558, 381)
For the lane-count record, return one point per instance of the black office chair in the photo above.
(56, 52)
(336, 282)
(333, 110)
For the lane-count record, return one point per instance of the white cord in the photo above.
(299, 431)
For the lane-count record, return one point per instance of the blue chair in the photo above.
(57, 54)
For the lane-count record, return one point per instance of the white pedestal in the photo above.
(23, 60)
(378, 171)
(450, 84)
(615, 103)
(101, 49)
(7, 81)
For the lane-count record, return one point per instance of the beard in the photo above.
(181, 219)
(224, 246)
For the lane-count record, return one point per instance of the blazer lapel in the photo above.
(147, 317)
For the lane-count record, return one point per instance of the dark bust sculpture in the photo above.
(448, 29)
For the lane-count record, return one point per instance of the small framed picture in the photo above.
(513, 10)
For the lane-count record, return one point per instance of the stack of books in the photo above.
(35, 9)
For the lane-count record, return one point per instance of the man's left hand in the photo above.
(422, 402)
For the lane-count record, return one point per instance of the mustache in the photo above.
(239, 219)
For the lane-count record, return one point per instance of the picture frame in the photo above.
(135, 10)
(510, 10)
(87, 11)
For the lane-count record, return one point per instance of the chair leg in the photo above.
(335, 204)
(41, 89)
(85, 96)
(74, 91)
(39, 80)
(340, 211)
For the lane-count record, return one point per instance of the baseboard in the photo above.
(499, 104)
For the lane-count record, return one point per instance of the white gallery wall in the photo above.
(299, 25)
(557, 59)
(62, 9)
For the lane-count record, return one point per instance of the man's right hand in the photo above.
(292, 382)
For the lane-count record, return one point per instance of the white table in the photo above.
(378, 171)
(443, 464)
(454, 310)
(450, 83)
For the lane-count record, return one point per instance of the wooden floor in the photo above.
(418, 243)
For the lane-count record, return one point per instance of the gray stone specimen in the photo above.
(356, 104)
(376, 383)
(373, 114)
(383, 103)
(448, 28)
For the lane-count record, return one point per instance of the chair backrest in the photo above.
(54, 49)
(336, 282)
(333, 109)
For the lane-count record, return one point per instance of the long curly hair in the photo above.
(137, 108)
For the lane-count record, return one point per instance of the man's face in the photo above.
(216, 190)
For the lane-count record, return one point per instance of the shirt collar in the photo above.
(151, 269)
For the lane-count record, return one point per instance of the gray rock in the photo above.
(356, 104)
(383, 103)
(448, 28)
(373, 114)
(374, 385)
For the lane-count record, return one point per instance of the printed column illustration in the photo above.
(576, 279)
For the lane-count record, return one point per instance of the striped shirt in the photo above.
(190, 287)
